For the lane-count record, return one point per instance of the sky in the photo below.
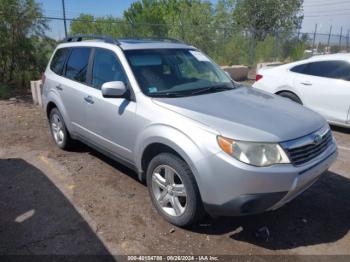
(324, 13)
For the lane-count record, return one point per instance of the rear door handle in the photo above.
(89, 99)
(306, 83)
(59, 87)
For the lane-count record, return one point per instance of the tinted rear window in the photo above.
(300, 69)
(57, 63)
(77, 64)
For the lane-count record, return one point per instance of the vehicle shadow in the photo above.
(79, 147)
(36, 218)
(319, 215)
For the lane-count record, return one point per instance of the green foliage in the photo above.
(265, 49)
(23, 46)
(232, 31)
(235, 50)
(146, 18)
(268, 16)
(294, 49)
(5, 91)
(88, 24)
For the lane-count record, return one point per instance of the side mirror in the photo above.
(113, 89)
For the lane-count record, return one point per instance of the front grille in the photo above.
(308, 148)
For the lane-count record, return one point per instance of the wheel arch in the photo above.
(50, 105)
(160, 138)
(53, 101)
(290, 92)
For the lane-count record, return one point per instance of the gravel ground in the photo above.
(80, 202)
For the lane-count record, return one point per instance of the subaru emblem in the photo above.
(317, 139)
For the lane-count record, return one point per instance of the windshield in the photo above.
(176, 72)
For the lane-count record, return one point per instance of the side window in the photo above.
(58, 60)
(106, 68)
(330, 69)
(301, 69)
(77, 64)
(340, 70)
(322, 68)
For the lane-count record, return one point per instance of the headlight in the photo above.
(253, 153)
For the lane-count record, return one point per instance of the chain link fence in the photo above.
(226, 45)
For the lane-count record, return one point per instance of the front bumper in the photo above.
(231, 188)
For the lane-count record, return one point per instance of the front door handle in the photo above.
(89, 99)
(306, 83)
(59, 87)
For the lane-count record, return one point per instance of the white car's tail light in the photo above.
(258, 77)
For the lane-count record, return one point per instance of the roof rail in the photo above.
(78, 38)
(165, 39)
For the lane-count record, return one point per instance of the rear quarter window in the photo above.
(58, 60)
(301, 69)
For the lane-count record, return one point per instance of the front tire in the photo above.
(58, 130)
(173, 190)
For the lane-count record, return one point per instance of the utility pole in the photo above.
(347, 42)
(341, 32)
(313, 41)
(329, 36)
(64, 19)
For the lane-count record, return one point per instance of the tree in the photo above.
(146, 18)
(265, 17)
(88, 24)
(189, 20)
(21, 30)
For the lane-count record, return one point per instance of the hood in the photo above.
(247, 114)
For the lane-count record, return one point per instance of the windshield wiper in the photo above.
(166, 94)
(211, 89)
(208, 89)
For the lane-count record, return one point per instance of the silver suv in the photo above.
(201, 141)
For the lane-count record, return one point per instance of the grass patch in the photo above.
(5, 91)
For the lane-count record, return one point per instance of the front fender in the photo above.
(182, 143)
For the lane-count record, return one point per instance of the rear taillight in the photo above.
(258, 77)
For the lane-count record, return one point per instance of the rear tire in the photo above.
(59, 130)
(173, 190)
(291, 96)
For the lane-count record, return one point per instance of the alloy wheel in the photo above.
(169, 190)
(57, 129)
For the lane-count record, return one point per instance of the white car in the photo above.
(321, 83)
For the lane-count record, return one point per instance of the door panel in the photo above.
(72, 94)
(73, 87)
(329, 97)
(109, 120)
(325, 88)
(110, 123)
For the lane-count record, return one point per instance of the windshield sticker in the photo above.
(152, 89)
(200, 56)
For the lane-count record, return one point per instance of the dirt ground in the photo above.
(80, 202)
